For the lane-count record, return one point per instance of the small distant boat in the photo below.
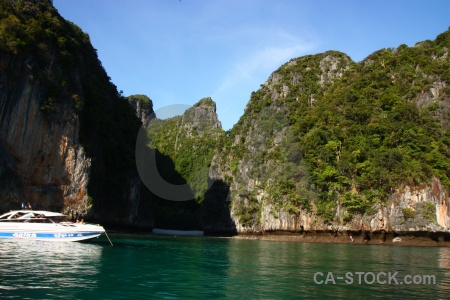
(45, 226)
(177, 232)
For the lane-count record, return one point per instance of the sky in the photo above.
(180, 51)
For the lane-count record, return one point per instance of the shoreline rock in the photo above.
(422, 238)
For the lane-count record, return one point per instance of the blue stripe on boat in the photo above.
(34, 235)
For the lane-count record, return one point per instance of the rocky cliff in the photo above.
(318, 147)
(42, 153)
(66, 135)
(262, 160)
(143, 107)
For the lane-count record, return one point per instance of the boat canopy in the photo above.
(26, 214)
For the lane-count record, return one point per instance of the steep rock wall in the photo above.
(428, 204)
(45, 156)
(67, 136)
(271, 188)
(262, 153)
(143, 107)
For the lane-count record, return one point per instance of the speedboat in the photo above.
(45, 226)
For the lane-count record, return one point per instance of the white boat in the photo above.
(45, 226)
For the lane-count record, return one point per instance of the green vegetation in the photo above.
(409, 213)
(267, 143)
(187, 143)
(144, 101)
(353, 132)
(427, 210)
(368, 135)
(35, 29)
(190, 143)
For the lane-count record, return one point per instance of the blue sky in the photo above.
(177, 52)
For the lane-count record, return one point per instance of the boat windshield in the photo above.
(26, 216)
(33, 216)
(15, 215)
(39, 220)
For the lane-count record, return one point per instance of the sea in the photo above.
(170, 267)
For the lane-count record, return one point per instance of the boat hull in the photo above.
(52, 232)
(40, 225)
(51, 236)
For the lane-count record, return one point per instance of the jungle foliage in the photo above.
(190, 143)
(349, 141)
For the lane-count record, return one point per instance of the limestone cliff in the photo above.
(143, 107)
(66, 135)
(317, 148)
(262, 161)
(42, 151)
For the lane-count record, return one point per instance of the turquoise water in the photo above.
(157, 267)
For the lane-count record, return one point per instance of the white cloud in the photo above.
(261, 62)
(247, 74)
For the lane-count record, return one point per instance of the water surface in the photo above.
(158, 267)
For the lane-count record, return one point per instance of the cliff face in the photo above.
(317, 146)
(143, 107)
(412, 209)
(409, 210)
(262, 160)
(42, 151)
(66, 135)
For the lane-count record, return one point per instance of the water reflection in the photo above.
(46, 267)
(262, 269)
(444, 266)
(208, 268)
(163, 267)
